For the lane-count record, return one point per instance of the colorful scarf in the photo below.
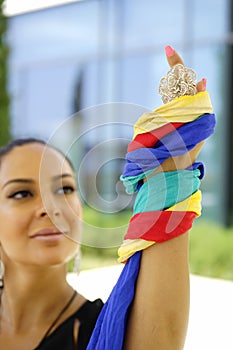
(166, 204)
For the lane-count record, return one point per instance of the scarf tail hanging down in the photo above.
(166, 204)
(111, 323)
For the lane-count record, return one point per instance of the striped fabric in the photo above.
(166, 204)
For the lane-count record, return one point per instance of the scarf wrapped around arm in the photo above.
(166, 204)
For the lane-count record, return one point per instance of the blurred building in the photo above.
(66, 59)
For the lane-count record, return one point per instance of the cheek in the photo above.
(13, 218)
(12, 224)
(12, 233)
(73, 214)
(73, 208)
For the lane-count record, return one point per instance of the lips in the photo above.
(47, 233)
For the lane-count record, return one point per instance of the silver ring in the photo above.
(179, 81)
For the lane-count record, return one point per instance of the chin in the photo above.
(54, 258)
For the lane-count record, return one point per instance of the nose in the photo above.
(47, 209)
(52, 213)
(42, 213)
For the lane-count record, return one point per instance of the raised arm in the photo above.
(149, 305)
(159, 314)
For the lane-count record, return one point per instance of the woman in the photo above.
(39, 310)
(36, 206)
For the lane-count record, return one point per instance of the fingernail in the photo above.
(204, 82)
(169, 51)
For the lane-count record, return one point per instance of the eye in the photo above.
(20, 194)
(66, 190)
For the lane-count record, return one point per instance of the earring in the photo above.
(2, 270)
(77, 262)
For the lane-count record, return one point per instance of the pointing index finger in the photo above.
(172, 56)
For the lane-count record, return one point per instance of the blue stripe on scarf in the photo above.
(110, 327)
(134, 183)
(176, 143)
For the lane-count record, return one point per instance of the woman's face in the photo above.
(38, 204)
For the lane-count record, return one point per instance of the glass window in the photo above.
(209, 18)
(214, 153)
(149, 23)
(55, 33)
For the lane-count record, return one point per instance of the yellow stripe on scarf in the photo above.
(182, 109)
(131, 246)
(192, 203)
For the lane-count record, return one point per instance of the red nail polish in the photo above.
(169, 51)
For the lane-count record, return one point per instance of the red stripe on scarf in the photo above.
(159, 226)
(150, 138)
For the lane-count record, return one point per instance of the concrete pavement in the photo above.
(211, 311)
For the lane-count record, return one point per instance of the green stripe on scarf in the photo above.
(165, 189)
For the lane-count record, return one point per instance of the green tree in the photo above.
(4, 98)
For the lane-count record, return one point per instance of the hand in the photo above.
(174, 58)
(186, 160)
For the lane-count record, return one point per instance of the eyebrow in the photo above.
(17, 181)
(57, 177)
(26, 181)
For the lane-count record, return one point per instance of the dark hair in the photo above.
(25, 141)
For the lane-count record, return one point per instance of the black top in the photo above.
(62, 338)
